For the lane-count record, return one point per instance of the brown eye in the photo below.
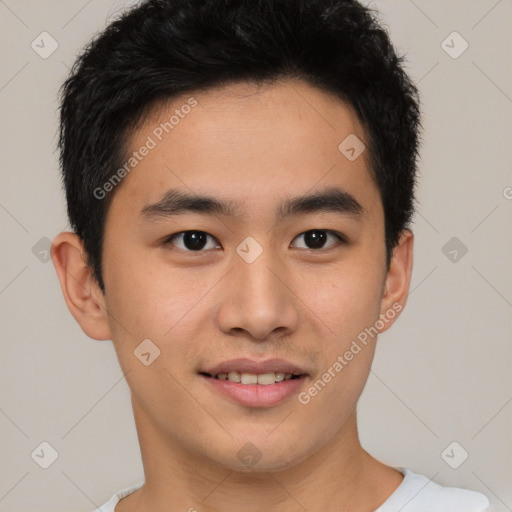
(316, 238)
(191, 240)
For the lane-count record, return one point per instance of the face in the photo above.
(265, 284)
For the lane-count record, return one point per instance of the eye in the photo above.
(191, 240)
(196, 241)
(316, 238)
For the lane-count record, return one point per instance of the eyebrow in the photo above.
(177, 202)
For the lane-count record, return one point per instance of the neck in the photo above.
(341, 476)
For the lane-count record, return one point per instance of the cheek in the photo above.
(156, 303)
(348, 307)
(346, 300)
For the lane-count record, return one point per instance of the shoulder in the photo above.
(110, 505)
(417, 493)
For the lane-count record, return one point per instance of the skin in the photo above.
(254, 145)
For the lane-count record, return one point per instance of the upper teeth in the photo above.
(253, 378)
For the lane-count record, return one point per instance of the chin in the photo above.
(263, 456)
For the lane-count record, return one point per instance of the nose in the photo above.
(258, 299)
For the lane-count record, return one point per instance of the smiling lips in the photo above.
(248, 371)
(264, 379)
(256, 384)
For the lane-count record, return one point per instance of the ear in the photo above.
(398, 280)
(81, 291)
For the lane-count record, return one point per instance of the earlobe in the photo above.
(398, 279)
(79, 287)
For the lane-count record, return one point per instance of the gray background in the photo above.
(441, 374)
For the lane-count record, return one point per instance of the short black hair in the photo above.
(160, 49)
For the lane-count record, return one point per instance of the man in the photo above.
(240, 179)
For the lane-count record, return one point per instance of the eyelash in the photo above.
(341, 239)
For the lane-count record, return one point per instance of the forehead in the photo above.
(250, 141)
(271, 111)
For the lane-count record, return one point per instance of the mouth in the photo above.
(246, 378)
(255, 384)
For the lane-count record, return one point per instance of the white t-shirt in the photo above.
(416, 493)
